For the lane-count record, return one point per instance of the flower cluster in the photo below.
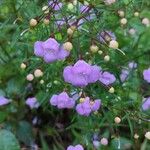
(62, 101)
(32, 102)
(86, 106)
(146, 74)
(50, 50)
(4, 101)
(81, 74)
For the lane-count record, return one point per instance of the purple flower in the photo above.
(62, 101)
(146, 104)
(146, 74)
(124, 75)
(125, 72)
(3, 101)
(86, 107)
(81, 74)
(55, 5)
(50, 50)
(77, 147)
(107, 78)
(32, 102)
(132, 65)
(106, 36)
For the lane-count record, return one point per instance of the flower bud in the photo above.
(136, 14)
(38, 73)
(41, 81)
(113, 44)
(68, 46)
(45, 9)
(111, 90)
(30, 77)
(70, 31)
(104, 141)
(123, 21)
(132, 31)
(146, 22)
(33, 22)
(100, 52)
(117, 120)
(147, 135)
(75, 2)
(70, 6)
(107, 58)
(121, 13)
(93, 48)
(46, 21)
(136, 136)
(23, 66)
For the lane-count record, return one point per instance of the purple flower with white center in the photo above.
(62, 101)
(132, 65)
(56, 5)
(50, 50)
(106, 36)
(32, 102)
(124, 75)
(107, 78)
(146, 104)
(77, 147)
(146, 74)
(4, 101)
(86, 107)
(81, 74)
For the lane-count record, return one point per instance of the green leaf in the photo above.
(24, 133)
(8, 141)
(3, 115)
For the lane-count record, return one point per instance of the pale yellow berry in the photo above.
(146, 22)
(23, 66)
(41, 81)
(38, 73)
(136, 14)
(93, 48)
(113, 44)
(123, 21)
(121, 13)
(70, 31)
(45, 9)
(147, 135)
(109, 2)
(68, 46)
(33, 22)
(136, 136)
(117, 120)
(30, 77)
(100, 52)
(111, 90)
(70, 6)
(87, 53)
(107, 58)
(46, 21)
